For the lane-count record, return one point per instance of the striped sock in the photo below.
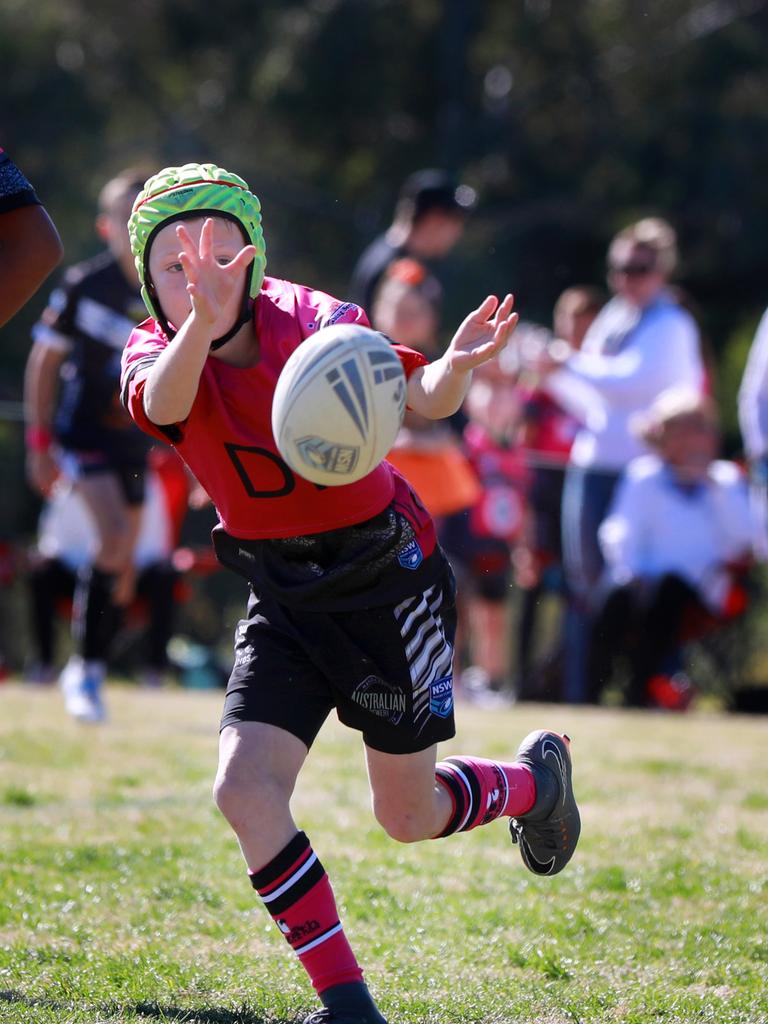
(483, 790)
(297, 893)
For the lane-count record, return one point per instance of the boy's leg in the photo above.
(414, 798)
(258, 767)
(98, 591)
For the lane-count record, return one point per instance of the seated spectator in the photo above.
(66, 540)
(678, 529)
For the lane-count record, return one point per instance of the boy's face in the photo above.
(168, 274)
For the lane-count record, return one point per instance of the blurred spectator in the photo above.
(427, 452)
(546, 435)
(67, 541)
(428, 221)
(30, 247)
(75, 419)
(675, 541)
(574, 313)
(479, 541)
(641, 343)
(753, 420)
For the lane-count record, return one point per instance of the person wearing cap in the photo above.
(677, 529)
(352, 600)
(30, 247)
(429, 220)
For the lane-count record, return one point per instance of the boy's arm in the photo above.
(438, 389)
(172, 382)
(30, 248)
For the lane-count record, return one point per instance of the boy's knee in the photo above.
(230, 797)
(400, 824)
(246, 802)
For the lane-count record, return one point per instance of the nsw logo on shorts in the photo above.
(411, 556)
(441, 696)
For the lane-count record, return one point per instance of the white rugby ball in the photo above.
(338, 404)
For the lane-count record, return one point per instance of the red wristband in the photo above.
(39, 439)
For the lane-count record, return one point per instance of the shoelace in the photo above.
(547, 836)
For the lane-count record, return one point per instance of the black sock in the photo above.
(94, 613)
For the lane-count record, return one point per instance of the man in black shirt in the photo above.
(429, 220)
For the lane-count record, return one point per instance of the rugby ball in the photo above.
(338, 404)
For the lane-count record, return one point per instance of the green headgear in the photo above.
(195, 190)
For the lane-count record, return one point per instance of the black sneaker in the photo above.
(325, 1016)
(350, 1003)
(549, 832)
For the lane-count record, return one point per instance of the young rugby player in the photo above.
(201, 373)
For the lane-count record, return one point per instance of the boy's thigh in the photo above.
(391, 669)
(274, 679)
(388, 670)
(256, 752)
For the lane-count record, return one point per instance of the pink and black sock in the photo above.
(297, 893)
(483, 790)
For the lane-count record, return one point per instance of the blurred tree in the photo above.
(569, 119)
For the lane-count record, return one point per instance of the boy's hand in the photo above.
(214, 288)
(483, 334)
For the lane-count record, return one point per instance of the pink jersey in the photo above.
(227, 438)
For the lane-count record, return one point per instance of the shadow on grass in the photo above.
(170, 1014)
(213, 1015)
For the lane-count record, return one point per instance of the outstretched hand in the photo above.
(214, 287)
(483, 334)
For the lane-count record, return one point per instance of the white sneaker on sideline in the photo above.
(81, 685)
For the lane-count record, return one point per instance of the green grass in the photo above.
(123, 896)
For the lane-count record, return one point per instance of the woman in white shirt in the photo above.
(678, 523)
(641, 343)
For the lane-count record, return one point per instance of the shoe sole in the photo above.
(556, 748)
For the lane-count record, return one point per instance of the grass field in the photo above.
(123, 897)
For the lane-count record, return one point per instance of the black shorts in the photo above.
(388, 670)
(130, 475)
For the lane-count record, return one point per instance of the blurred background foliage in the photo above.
(569, 118)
